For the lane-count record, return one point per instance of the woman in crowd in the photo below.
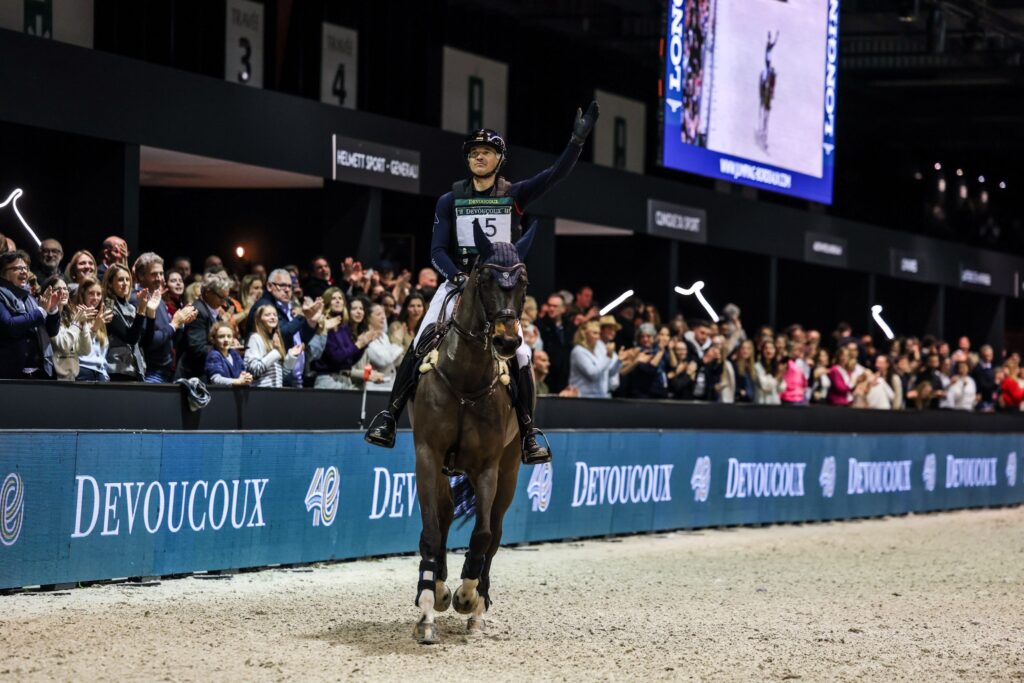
(840, 377)
(883, 389)
(81, 265)
(743, 372)
(794, 377)
(24, 348)
(192, 292)
(682, 376)
(403, 330)
(528, 323)
(342, 351)
(962, 390)
(380, 353)
(249, 292)
(72, 341)
(265, 355)
(224, 366)
(174, 293)
(92, 366)
(1011, 393)
(126, 327)
(591, 362)
(768, 375)
(819, 376)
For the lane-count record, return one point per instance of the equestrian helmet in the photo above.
(489, 138)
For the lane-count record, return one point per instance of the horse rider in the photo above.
(496, 206)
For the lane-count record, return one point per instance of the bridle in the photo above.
(483, 337)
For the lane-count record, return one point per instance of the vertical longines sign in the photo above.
(369, 163)
(89, 506)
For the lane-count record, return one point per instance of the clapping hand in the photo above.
(244, 379)
(296, 350)
(311, 308)
(52, 298)
(105, 314)
(332, 323)
(183, 316)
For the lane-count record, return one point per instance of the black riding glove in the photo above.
(460, 280)
(584, 123)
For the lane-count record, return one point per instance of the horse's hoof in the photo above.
(463, 603)
(476, 626)
(426, 634)
(442, 597)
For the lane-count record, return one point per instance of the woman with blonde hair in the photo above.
(249, 292)
(81, 265)
(591, 363)
(92, 366)
(334, 365)
(265, 355)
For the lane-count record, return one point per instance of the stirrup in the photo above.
(382, 430)
(542, 454)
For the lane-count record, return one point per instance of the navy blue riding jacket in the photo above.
(523, 192)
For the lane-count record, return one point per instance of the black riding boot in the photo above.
(382, 427)
(526, 402)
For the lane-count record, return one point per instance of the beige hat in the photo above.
(609, 320)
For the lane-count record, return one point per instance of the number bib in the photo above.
(493, 215)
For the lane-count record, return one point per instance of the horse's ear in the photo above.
(483, 245)
(526, 241)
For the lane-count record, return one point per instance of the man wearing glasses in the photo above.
(195, 344)
(295, 329)
(50, 255)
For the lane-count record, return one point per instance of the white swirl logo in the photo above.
(12, 499)
(539, 488)
(928, 472)
(827, 480)
(700, 482)
(1011, 469)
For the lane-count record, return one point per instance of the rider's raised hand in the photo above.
(584, 123)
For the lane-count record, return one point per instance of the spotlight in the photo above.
(918, 175)
(938, 166)
(1002, 184)
(942, 184)
(984, 196)
(981, 179)
(963, 192)
(959, 171)
(240, 252)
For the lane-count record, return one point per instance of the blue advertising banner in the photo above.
(90, 505)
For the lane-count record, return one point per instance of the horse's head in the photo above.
(498, 283)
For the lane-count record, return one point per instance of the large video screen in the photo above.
(749, 92)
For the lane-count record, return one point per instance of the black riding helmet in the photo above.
(488, 137)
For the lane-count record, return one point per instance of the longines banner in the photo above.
(88, 506)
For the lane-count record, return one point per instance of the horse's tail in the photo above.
(464, 498)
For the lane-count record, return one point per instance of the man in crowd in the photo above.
(583, 308)
(163, 331)
(557, 334)
(984, 376)
(426, 282)
(115, 250)
(213, 263)
(541, 366)
(194, 343)
(50, 255)
(183, 265)
(25, 352)
(295, 329)
(320, 278)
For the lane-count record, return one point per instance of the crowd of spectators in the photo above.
(147, 320)
(697, 15)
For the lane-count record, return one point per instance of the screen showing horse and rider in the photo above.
(749, 92)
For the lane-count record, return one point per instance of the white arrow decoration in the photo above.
(622, 297)
(13, 201)
(696, 291)
(876, 313)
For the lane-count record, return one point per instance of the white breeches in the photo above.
(524, 355)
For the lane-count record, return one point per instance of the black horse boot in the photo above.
(382, 428)
(526, 402)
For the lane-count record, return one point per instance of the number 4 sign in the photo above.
(339, 65)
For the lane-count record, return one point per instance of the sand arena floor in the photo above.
(930, 597)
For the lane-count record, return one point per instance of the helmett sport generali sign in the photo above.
(676, 221)
(368, 163)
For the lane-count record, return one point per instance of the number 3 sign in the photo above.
(243, 43)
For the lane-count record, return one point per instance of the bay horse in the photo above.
(464, 421)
